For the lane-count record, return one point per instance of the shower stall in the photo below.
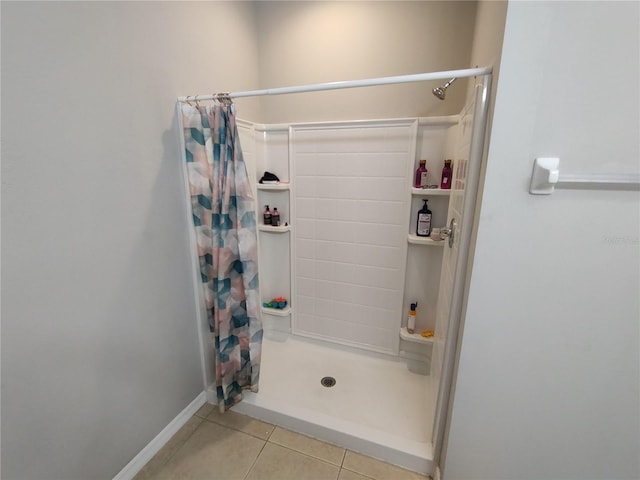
(338, 362)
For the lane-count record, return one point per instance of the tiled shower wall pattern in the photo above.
(350, 223)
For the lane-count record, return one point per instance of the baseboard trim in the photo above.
(141, 459)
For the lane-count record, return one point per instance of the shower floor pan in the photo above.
(377, 406)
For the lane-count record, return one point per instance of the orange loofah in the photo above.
(427, 333)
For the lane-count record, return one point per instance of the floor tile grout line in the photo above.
(241, 431)
(255, 460)
(306, 454)
(207, 419)
(271, 434)
(344, 455)
(342, 467)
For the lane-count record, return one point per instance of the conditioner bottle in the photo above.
(411, 319)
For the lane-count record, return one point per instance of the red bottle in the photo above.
(421, 175)
(447, 173)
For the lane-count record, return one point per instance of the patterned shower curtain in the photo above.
(225, 223)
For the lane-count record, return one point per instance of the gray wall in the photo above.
(99, 341)
(549, 373)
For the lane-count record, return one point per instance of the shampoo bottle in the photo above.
(267, 215)
(411, 319)
(275, 217)
(421, 175)
(446, 175)
(423, 223)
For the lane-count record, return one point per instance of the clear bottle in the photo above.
(423, 222)
(421, 175)
(411, 318)
(447, 172)
(275, 217)
(267, 215)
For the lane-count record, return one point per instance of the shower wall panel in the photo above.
(350, 224)
(456, 211)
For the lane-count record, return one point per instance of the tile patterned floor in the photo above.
(233, 446)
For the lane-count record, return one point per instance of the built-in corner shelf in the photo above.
(276, 312)
(272, 229)
(416, 240)
(414, 337)
(273, 186)
(430, 192)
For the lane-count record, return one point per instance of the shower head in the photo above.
(440, 91)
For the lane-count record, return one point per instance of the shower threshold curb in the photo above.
(409, 454)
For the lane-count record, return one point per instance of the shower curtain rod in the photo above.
(370, 82)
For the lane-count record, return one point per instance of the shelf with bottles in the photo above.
(282, 186)
(418, 240)
(274, 219)
(422, 187)
(414, 337)
(272, 229)
(428, 192)
(424, 232)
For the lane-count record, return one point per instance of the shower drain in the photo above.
(328, 381)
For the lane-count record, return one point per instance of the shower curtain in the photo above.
(225, 223)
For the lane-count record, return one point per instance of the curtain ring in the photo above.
(187, 101)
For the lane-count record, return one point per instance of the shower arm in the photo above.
(446, 85)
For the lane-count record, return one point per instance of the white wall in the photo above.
(314, 42)
(99, 342)
(549, 371)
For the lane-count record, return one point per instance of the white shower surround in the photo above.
(415, 269)
(268, 147)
